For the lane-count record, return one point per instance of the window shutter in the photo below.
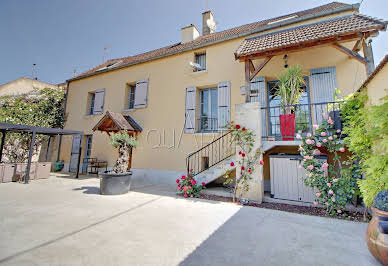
(323, 84)
(223, 104)
(141, 93)
(99, 102)
(190, 110)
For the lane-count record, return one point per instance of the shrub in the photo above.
(124, 142)
(381, 201)
(188, 186)
(335, 187)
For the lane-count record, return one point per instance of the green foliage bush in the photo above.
(122, 139)
(367, 130)
(381, 201)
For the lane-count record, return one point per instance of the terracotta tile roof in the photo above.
(202, 41)
(117, 120)
(305, 33)
(375, 72)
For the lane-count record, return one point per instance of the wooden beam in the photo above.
(260, 67)
(252, 67)
(247, 81)
(301, 47)
(349, 53)
(368, 53)
(357, 46)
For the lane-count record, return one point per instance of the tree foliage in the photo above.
(42, 108)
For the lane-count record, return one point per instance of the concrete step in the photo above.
(216, 171)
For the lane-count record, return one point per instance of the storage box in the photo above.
(43, 170)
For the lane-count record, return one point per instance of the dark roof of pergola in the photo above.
(6, 127)
(113, 122)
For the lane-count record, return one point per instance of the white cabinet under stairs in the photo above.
(287, 179)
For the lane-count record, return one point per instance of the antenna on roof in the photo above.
(105, 49)
(33, 70)
(74, 72)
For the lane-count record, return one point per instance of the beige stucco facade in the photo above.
(377, 88)
(163, 145)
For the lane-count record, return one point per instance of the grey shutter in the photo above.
(258, 95)
(99, 99)
(190, 110)
(323, 86)
(141, 93)
(75, 153)
(223, 104)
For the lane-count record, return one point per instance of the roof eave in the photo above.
(354, 7)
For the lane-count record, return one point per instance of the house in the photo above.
(25, 85)
(377, 83)
(182, 95)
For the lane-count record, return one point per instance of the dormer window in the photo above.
(200, 59)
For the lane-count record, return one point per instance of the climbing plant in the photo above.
(334, 185)
(42, 108)
(247, 159)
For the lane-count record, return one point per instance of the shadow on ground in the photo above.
(89, 190)
(268, 237)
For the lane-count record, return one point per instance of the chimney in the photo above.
(189, 33)
(207, 19)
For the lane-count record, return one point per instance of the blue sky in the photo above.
(60, 36)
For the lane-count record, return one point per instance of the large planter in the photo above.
(377, 235)
(287, 126)
(7, 172)
(114, 184)
(43, 170)
(21, 169)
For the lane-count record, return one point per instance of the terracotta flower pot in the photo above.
(287, 126)
(377, 237)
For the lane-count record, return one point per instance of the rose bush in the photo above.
(188, 186)
(334, 184)
(246, 159)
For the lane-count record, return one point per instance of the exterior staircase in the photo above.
(216, 171)
(212, 160)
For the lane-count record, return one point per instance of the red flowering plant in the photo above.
(334, 185)
(246, 159)
(188, 186)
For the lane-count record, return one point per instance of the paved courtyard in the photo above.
(63, 221)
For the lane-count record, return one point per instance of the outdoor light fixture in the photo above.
(285, 58)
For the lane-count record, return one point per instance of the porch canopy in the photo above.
(5, 128)
(114, 122)
(330, 32)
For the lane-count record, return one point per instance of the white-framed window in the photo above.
(92, 98)
(131, 96)
(200, 59)
(208, 110)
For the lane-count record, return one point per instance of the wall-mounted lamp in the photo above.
(285, 58)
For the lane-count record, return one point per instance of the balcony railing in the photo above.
(207, 124)
(306, 115)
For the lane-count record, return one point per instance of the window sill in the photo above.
(198, 72)
(214, 133)
(87, 116)
(128, 110)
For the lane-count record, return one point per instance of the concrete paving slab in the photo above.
(63, 221)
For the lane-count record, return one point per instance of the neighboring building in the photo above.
(25, 85)
(182, 95)
(377, 83)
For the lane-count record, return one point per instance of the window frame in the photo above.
(92, 98)
(211, 128)
(131, 100)
(196, 57)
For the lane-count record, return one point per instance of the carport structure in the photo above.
(5, 128)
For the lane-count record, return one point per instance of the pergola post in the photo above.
(48, 148)
(368, 55)
(79, 156)
(27, 178)
(2, 145)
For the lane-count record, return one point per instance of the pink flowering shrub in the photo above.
(188, 186)
(335, 187)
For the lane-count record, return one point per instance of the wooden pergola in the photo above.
(249, 50)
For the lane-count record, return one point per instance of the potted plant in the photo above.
(377, 233)
(289, 90)
(118, 180)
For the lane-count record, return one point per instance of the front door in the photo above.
(75, 153)
(302, 110)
